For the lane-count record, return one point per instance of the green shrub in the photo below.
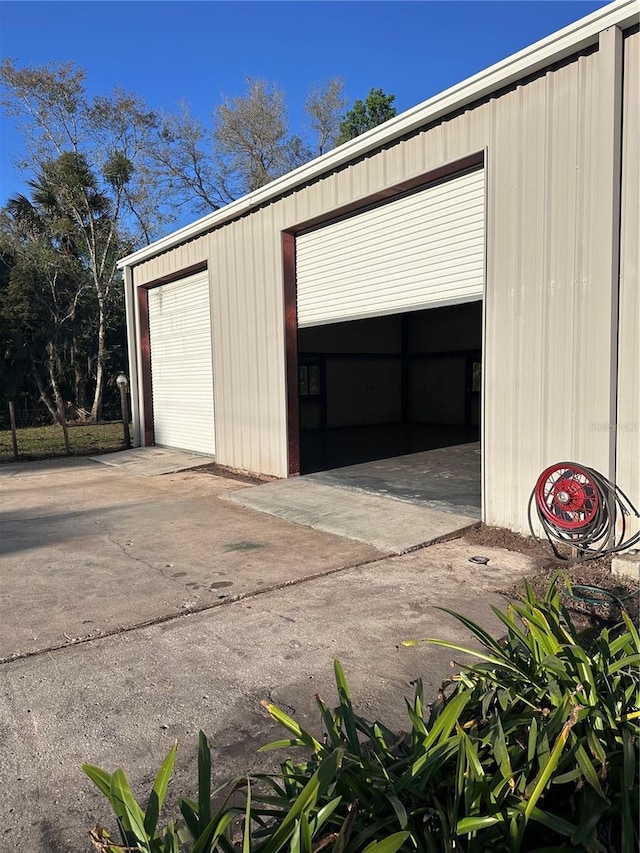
(532, 748)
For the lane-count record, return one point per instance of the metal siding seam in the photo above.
(483, 376)
(628, 414)
(220, 252)
(132, 352)
(612, 50)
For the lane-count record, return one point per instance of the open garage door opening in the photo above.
(389, 386)
(389, 342)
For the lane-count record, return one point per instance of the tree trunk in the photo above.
(101, 357)
(42, 393)
(14, 433)
(80, 380)
(62, 418)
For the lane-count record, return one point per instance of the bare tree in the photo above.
(325, 106)
(185, 165)
(252, 139)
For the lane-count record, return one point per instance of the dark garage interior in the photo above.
(389, 386)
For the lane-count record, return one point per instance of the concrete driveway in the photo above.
(136, 610)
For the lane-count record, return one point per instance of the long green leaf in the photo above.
(484, 636)
(329, 721)
(189, 811)
(283, 743)
(399, 809)
(159, 792)
(631, 628)
(548, 769)
(629, 660)
(391, 844)
(588, 770)
(100, 778)
(204, 780)
(502, 663)
(246, 838)
(128, 809)
(431, 761)
(290, 724)
(306, 843)
(533, 739)
(473, 824)
(346, 709)
(324, 814)
(551, 821)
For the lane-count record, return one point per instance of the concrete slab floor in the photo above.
(446, 479)
(393, 504)
(389, 525)
(154, 461)
(89, 549)
(123, 700)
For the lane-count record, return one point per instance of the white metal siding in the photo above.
(181, 364)
(421, 251)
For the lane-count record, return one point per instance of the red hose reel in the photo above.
(567, 496)
(578, 506)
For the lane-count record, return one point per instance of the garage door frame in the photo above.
(145, 344)
(416, 184)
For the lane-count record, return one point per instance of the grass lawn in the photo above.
(46, 441)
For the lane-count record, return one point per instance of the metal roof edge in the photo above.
(553, 48)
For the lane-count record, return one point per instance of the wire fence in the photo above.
(37, 416)
(45, 442)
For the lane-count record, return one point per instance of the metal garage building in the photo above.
(494, 224)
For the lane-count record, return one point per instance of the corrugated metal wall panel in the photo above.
(628, 419)
(248, 337)
(421, 251)
(181, 364)
(547, 360)
(549, 306)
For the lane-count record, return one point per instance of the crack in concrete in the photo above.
(230, 599)
(194, 611)
(131, 556)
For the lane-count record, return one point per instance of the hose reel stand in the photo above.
(577, 506)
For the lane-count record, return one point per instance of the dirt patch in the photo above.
(499, 537)
(588, 606)
(231, 474)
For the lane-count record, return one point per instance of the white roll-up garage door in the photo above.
(421, 251)
(182, 364)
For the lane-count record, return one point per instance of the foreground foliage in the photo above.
(531, 748)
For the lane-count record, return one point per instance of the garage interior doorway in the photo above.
(389, 386)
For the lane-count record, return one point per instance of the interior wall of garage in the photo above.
(549, 303)
(363, 361)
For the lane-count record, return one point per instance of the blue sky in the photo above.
(201, 51)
